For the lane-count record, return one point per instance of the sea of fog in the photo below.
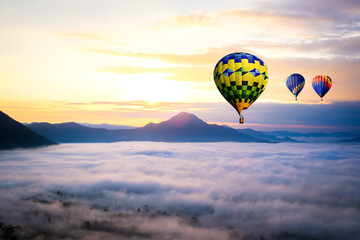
(199, 191)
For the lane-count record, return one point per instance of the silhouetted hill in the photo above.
(15, 135)
(72, 132)
(183, 127)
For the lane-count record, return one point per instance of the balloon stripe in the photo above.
(321, 84)
(295, 83)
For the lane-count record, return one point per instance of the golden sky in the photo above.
(131, 62)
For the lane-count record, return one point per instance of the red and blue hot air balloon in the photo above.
(321, 85)
(295, 83)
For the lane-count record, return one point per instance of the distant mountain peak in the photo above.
(71, 124)
(183, 118)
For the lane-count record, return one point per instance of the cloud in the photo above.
(201, 58)
(84, 35)
(338, 49)
(335, 11)
(165, 154)
(182, 191)
(136, 107)
(187, 73)
(347, 47)
(291, 15)
(219, 17)
(280, 28)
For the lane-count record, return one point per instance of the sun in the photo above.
(153, 88)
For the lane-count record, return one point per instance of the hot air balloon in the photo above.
(240, 78)
(295, 83)
(321, 85)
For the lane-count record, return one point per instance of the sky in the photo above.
(133, 190)
(134, 62)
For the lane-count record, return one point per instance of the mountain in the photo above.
(284, 134)
(106, 126)
(313, 137)
(15, 135)
(355, 140)
(313, 134)
(72, 132)
(183, 127)
(265, 136)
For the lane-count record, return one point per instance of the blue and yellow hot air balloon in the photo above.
(241, 78)
(295, 83)
(321, 85)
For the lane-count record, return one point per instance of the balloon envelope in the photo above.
(240, 78)
(295, 83)
(321, 84)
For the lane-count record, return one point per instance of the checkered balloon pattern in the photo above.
(241, 78)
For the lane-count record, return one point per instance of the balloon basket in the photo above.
(241, 120)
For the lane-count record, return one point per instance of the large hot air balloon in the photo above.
(295, 83)
(321, 85)
(241, 78)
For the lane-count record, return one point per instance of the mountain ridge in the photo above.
(15, 135)
(183, 127)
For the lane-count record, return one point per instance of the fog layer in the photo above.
(148, 190)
